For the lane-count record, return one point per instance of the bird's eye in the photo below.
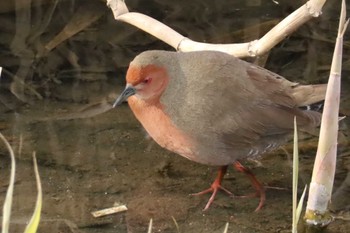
(147, 80)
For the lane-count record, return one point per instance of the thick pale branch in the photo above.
(238, 49)
(281, 30)
(153, 27)
(311, 9)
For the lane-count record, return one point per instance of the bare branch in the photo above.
(311, 9)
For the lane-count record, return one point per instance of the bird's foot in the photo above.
(260, 190)
(214, 188)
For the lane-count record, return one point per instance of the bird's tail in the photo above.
(306, 95)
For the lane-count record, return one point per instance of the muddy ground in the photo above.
(95, 163)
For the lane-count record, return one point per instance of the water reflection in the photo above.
(64, 63)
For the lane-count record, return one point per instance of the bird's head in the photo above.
(144, 79)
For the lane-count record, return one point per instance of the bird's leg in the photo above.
(260, 191)
(215, 186)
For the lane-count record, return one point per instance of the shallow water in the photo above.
(56, 103)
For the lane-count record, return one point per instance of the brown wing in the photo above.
(283, 91)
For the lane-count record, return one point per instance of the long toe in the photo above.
(214, 190)
(211, 199)
(261, 193)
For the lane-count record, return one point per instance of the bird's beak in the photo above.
(128, 91)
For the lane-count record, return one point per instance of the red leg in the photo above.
(215, 186)
(260, 191)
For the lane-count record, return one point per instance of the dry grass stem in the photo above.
(109, 211)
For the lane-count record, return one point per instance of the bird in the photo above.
(216, 109)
